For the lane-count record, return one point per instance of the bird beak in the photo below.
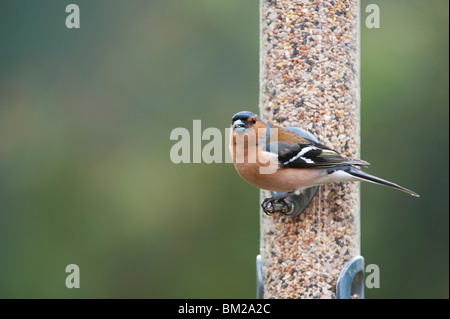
(239, 126)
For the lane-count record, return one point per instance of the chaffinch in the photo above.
(289, 160)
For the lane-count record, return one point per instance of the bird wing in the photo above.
(295, 151)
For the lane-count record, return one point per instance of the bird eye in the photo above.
(253, 121)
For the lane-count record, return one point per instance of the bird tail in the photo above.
(360, 175)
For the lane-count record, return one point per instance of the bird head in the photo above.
(249, 126)
(246, 122)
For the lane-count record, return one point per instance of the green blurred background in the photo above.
(85, 173)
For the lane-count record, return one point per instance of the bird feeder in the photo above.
(309, 78)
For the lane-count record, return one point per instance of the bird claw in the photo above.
(274, 205)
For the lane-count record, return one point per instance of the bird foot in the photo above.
(276, 205)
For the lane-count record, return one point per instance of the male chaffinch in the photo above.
(289, 160)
